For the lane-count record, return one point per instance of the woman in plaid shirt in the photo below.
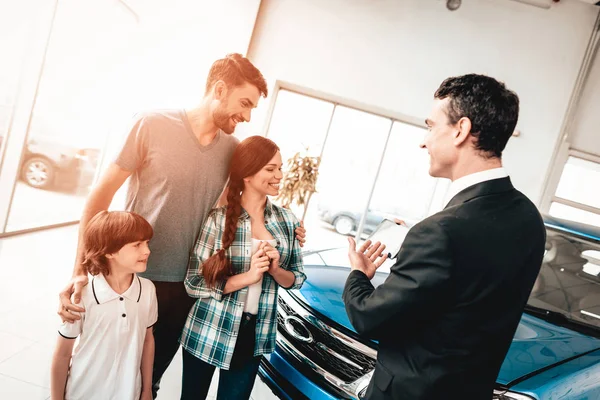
(245, 252)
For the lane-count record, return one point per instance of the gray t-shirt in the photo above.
(175, 182)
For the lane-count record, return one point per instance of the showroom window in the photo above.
(577, 196)
(371, 166)
(65, 136)
(73, 75)
(58, 120)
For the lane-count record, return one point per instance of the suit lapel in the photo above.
(486, 188)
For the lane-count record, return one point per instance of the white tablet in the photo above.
(391, 234)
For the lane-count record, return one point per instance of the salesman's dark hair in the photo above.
(492, 108)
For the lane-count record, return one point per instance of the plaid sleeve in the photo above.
(203, 250)
(296, 264)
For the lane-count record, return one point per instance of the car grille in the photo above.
(326, 350)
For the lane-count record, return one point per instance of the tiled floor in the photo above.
(33, 269)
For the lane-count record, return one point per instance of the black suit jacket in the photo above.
(448, 311)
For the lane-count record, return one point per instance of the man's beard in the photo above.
(223, 122)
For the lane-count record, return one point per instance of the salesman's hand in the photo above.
(66, 308)
(368, 257)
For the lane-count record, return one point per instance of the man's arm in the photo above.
(98, 200)
(417, 283)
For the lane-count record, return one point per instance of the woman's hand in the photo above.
(273, 255)
(259, 264)
(283, 277)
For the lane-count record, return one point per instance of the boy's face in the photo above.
(132, 257)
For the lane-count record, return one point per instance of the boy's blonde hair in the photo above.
(106, 233)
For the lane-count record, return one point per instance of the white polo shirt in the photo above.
(107, 360)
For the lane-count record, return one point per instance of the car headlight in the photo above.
(507, 395)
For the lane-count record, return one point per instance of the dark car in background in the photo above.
(48, 164)
(555, 353)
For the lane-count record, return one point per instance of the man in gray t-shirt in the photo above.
(178, 164)
(175, 181)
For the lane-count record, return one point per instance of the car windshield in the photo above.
(568, 283)
(569, 279)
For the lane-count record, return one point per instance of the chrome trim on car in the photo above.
(508, 395)
(350, 388)
(334, 333)
(338, 356)
(292, 331)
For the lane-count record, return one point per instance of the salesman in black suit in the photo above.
(447, 313)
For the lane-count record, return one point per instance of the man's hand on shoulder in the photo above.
(66, 307)
(367, 258)
(301, 234)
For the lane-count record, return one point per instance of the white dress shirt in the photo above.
(469, 180)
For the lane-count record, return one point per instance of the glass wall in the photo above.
(577, 196)
(73, 111)
(404, 188)
(74, 73)
(366, 160)
(19, 28)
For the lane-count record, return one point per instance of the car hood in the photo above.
(537, 344)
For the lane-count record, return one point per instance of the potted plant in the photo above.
(299, 181)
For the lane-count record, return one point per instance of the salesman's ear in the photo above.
(463, 131)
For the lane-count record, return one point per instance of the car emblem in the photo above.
(292, 323)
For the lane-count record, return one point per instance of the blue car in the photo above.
(555, 353)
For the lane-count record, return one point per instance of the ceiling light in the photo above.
(453, 5)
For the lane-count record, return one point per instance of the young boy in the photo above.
(114, 356)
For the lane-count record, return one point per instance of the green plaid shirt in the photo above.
(212, 325)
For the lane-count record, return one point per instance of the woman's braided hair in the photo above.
(249, 157)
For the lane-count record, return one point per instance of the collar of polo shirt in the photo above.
(103, 293)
